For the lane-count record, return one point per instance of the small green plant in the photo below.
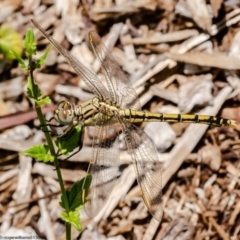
(73, 199)
(10, 40)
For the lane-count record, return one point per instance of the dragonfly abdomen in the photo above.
(192, 118)
(142, 116)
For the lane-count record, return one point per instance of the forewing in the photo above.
(120, 89)
(104, 167)
(88, 76)
(147, 167)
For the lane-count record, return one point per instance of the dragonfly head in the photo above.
(64, 113)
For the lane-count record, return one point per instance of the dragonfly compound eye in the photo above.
(64, 113)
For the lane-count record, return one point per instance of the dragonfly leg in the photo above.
(49, 131)
(78, 150)
(51, 126)
(80, 145)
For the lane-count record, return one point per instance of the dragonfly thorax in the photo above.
(108, 109)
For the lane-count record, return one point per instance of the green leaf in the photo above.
(42, 59)
(29, 43)
(33, 91)
(10, 40)
(44, 100)
(39, 152)
(73, 217)
(78, 192)
(71, 140)
(62, 202)
(20, 60)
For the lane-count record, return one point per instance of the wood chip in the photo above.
(209, 60)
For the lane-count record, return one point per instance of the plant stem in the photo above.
(68, 230)
(51, 148)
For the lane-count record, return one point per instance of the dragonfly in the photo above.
(114, 110)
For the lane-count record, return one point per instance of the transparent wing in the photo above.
(88, 76)
(120, 89)
(104, 167)
(147, 167)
